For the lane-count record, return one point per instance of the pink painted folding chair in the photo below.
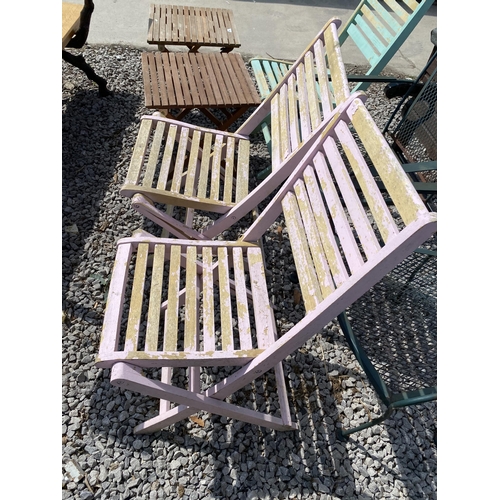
(175, 164)
(199, 304)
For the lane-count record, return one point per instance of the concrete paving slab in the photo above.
(277, 28)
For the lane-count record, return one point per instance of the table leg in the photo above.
(79, 62)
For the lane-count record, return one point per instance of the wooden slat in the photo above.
(193, 88)
(137, 160)
(321, 266)
(242, 170)
(208, 302)
(333, 255)
(162, 26)
(220, 98)
(311, 90)
(337, 70)
(326, 98)
(351, 199)
(311, 290)
(155, 299)
(167, 75)
(169, 19)
(213, 95)
(264, 319)
(205, 164)
(163, 84)
(154, 153)
(179, 164)
(374, 198)
(167, 157)
(244, 330)
(284, 137)
(275, 131)
(232, 24)
(375, 21)
(305, 120)
(172, 312)
(385, 15)
(398, 10)
(136, 298)
(225, 300)
(192, 295)
(202, 93)
(215, 168)
(192, 171)
(229, 170)
(175, 75)
(339, 219)
(147, 76)
(293, 113)
(367, 30)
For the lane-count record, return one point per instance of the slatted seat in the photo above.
(192, 26)
(187, 81)
(342, 243)
(296, 117)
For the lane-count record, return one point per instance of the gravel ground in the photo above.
(215, 457)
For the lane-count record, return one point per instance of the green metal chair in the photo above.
(378, 28)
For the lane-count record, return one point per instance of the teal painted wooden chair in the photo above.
(378, 28)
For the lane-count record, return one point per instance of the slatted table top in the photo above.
(191, 80)
(192, 26)
(70, 21)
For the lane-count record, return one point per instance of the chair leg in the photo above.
(127, 377)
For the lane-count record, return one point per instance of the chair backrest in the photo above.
(296, 113)
(379, 28)
(343, 240)
(376, 28)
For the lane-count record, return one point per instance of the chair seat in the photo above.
(188, 304)
(188, 166)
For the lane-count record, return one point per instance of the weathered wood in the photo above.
(193, 27)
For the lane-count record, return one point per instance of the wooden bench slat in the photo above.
(368, 32)
(385, 15)
(398, 10)
(293, 113)
(180, 161)
(276, 132)
(208, 302)
(229, 171)
(309, 285)
(331, 249)
(353, 204)
(172, 312)
(205, 165)
(166, 162)
(154, 153)
(324, 91)
(199, 83)
(155, 299)
(377, 24)
(215, 168)
(264, 318)
(321, 267)
(136, 299)
(193, 164)
(193, 87)
(337, 70)
(140, 146)
(339, 219)
(192, 294)
(310, 75)
(225, 300)
(373, 196)
(305, 119)
(242, 170)
(284, 137)
(244, 329)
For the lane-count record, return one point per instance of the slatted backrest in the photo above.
(345, 231)
(162, 290)
(378, 28)
(296, 113)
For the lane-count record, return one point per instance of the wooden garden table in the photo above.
(194, 80)
(70, 21)
(191, 26)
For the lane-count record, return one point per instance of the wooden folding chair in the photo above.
(177, 164)
(204, 303)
